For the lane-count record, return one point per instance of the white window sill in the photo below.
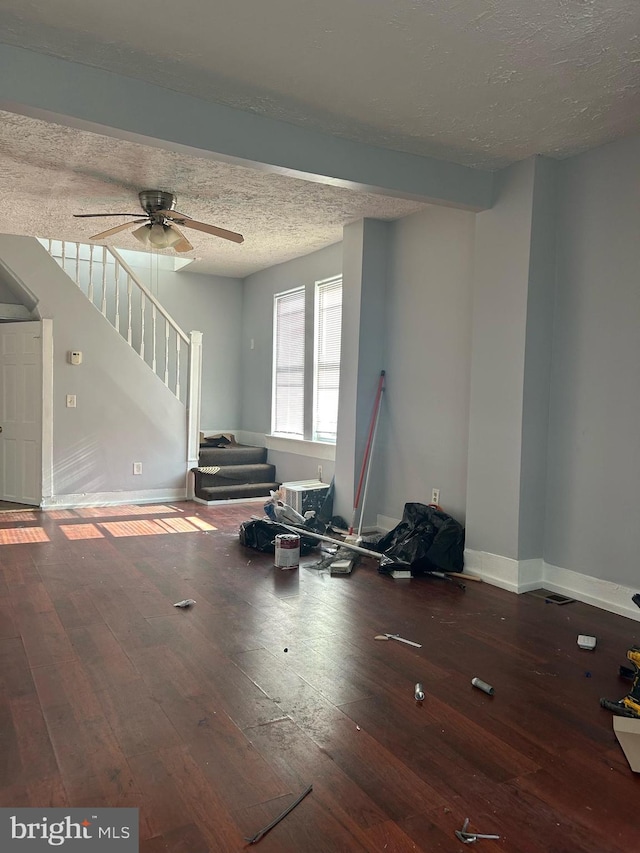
(316, 449)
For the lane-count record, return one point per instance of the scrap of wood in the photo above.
(465, 576)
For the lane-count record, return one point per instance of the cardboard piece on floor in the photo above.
(627, 730)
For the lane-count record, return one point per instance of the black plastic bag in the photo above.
(426, 540)
(260, 536)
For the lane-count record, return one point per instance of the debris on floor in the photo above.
(187, 602)
(398, 638)
(418, 692)
(482, 685)
(586, 642)
(471, 837)
(339, 561)
(629, 705)
(255, 838)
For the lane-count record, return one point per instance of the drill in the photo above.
(629, 705)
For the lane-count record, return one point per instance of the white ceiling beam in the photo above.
(103, 102)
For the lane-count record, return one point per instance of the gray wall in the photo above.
(424, 422)
(594, 446)
(211, 305)
(365, 252)
(537, 362)
(501, 281)
(124, 413)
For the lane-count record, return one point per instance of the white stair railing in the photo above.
(129, 306)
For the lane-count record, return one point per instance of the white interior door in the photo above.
(21, 412)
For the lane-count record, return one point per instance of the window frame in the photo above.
(311, 291)
(322, 283)
(274, 370)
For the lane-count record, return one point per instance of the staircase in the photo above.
(176, 359)
(243, 472)
(113, 288)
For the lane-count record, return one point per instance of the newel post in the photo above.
(193, 406)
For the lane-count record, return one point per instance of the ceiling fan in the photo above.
(160, 218)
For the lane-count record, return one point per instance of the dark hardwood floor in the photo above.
(212, 720)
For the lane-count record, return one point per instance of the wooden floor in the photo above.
(212, 720)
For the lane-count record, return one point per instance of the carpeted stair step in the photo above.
(237, 471)
(227, 493)
(234, 475)
(232, 454)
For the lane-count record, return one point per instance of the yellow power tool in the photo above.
(629, 705)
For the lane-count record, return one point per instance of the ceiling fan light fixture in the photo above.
(157, 236)
(142, 234)
(161, 236)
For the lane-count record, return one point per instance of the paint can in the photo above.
(287, 551)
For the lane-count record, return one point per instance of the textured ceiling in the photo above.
(480, 82)
(49, 172)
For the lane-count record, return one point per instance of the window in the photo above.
(326, 380)
(305, 390)
(288, 358)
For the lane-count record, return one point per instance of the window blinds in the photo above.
(327, 360)
(288, 391)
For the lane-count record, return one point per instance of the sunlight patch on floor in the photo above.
(81, 531)
(22, 535)
(17, 515)
(199, 523)
(115, 511)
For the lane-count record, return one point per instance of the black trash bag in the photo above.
(260, 536)
(426, 540)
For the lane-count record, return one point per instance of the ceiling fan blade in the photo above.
(184, 245)
(110, 231)
(212, 229)
(93, 215)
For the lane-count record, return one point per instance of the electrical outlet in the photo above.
(137, 467)
(320, 472)
(71, 401)
(435, 496)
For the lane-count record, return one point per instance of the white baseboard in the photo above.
(255, 439)
(601, 593)
(514, 575)
(229, 501)
(525, 575)
(144, 496)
